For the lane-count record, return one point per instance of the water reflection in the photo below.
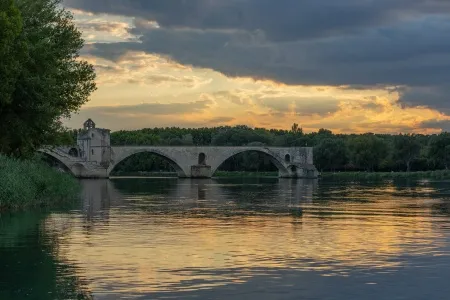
(29, 266)
(138, 236)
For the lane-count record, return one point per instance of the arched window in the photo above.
(73, 152)
(202, 159)
(287, 158)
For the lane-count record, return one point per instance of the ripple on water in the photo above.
(165, 236)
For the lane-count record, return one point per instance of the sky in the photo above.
(350, 66)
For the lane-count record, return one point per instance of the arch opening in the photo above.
(202, 159)
(146, 163)
(74, 152)
(253, 162)
(287, 158)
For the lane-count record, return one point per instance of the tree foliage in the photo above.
(10, 49)
(367, 151)
(330, 153)
(406, 149)
(48, 81)
(439, 150)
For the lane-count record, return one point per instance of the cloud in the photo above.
(301, 106)
(220, 120)
(104, 28)
(278, 102)
(444, 125)
(311, 42)
(377, 57)
(435, 97)
(149, 109)
(145, 69)
(150, 115)
(281, 20)
(382, 56)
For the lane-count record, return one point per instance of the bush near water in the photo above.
(32, 183)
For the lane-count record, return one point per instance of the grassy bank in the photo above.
(440, 174)
(31, 183)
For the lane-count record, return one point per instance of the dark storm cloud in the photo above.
(280, 19)
(442, 124)
(415, 53)
(436, 97)
(318, 42)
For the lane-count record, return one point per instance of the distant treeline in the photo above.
(332, 152)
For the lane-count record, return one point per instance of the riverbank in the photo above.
(439, 174)
(31, 183)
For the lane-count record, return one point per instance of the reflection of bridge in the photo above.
(99, 196)
(93, 157)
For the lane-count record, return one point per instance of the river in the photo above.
(162, 238)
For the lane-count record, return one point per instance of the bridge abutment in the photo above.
(201, 171)
(300, 171)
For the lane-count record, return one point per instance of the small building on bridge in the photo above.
(94, 144)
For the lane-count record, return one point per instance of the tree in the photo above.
(367, 151)
(439, 149)
(295, 129)
(406, 149)
(331, 153)
(52, 81)
(10, 49)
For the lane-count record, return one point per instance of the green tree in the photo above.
(52, 82)
(295, 129)
(10, 49)
(406, 149)
(330, 154)
(367, 151)
(439, 150)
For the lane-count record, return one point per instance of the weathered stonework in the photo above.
(93, 157)
(201, 171)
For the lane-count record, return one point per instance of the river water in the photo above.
(160, 238)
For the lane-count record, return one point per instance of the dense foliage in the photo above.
(332, 152)
(30, 183)
(41, 77)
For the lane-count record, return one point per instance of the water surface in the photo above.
(135, 238)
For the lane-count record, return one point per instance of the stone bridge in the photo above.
(94, 157)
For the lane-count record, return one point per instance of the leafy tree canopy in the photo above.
(46, 80)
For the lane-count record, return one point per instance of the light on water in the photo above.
(216, 238)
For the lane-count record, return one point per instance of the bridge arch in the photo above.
(274, 158)
(119, 157)
(68, 165)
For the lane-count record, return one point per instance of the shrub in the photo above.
(31, 183)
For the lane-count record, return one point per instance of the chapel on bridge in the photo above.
(94, 144)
